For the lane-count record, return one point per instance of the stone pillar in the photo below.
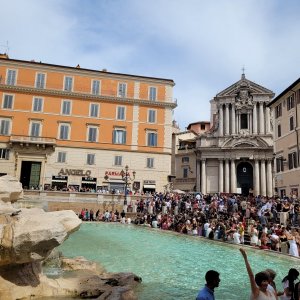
(254, 118)
(233, 176)
(238, 123)
(256, 179)
(226, 176)
(227, 119)
(263, 177)
(269, 178)
(221, 122)
(261, 118)
(233, 123)
(268, 121)
(221, 176)
(203, 176)
(250, 122)
(198, 175)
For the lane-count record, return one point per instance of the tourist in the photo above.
(259, 283)
(272, 285)
(289, 284)
(212, 281)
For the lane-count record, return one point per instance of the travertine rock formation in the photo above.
(27, 237)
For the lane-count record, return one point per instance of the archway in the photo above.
(244, 174)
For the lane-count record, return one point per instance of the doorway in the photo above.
(30, 174)
(245, 177)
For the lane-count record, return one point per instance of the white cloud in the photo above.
(202, 45)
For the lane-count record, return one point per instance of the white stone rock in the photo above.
(10, 189)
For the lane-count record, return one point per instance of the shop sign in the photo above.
(75, 172)
(60, 178)
(113, 173)
(149, 181)
(136, 185)
(92, 179)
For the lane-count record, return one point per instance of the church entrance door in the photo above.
(245, 177)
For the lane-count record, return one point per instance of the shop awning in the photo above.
(59, 180)
(88, 182)
(149, 186)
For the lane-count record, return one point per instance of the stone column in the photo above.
(238, 123)
(269, 178)
(250, 122)
(233, 176)
(198, 175)
(221, 122)
(221, 176)
(268, 122)
(254, 118)
(261, 118)
(256, 179)
(263, 177)
(227, 119)
(203, 176)
(226, 176)
(233, 123)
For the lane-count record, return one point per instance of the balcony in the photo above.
(26, 141)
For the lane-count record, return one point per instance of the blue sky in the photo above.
(201, 45)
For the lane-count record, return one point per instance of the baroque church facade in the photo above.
(236, 154)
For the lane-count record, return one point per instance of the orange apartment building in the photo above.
(71, 127)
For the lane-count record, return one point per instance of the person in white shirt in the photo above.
(236, 238)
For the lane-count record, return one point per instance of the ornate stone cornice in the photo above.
(71, 95)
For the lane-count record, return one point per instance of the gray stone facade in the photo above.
(236, 155)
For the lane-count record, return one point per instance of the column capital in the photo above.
(221, 159)
(227, 105)
(203, 159)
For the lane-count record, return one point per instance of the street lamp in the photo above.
(126, 178)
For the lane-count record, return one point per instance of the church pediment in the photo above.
(244, 85)
(245, 142)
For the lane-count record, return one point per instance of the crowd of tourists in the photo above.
(266, 223)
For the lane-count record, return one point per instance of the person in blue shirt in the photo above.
(212, 281)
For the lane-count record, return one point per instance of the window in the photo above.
(244, 121)
(11, 77)
(119, 136)
(151, 116)
(291, 123)
(185, 159)
(40, 80)
(278, 111)
(290, 102)
(37, 104)
(35, 128)
(90, 159)
(151, 139)
(4, 153)
(185, 172)
(4, 126)
(8, 101)
(95, 87)
(202, 126)
(279, 164)
(122, 90)
(278, 130)
(64, 131)
(150, 162)
(66, 107)
(152, 93)
(292, 159)
(118, 160)
(92, 134)
(120, 112)
(68, 84)
(94, 110)
(61, 157)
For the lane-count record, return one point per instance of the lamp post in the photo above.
(126, 178)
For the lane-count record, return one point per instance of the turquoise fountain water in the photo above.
(172, 266)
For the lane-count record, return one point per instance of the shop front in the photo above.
(88, 184)
(59, 183)
(149, 186)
